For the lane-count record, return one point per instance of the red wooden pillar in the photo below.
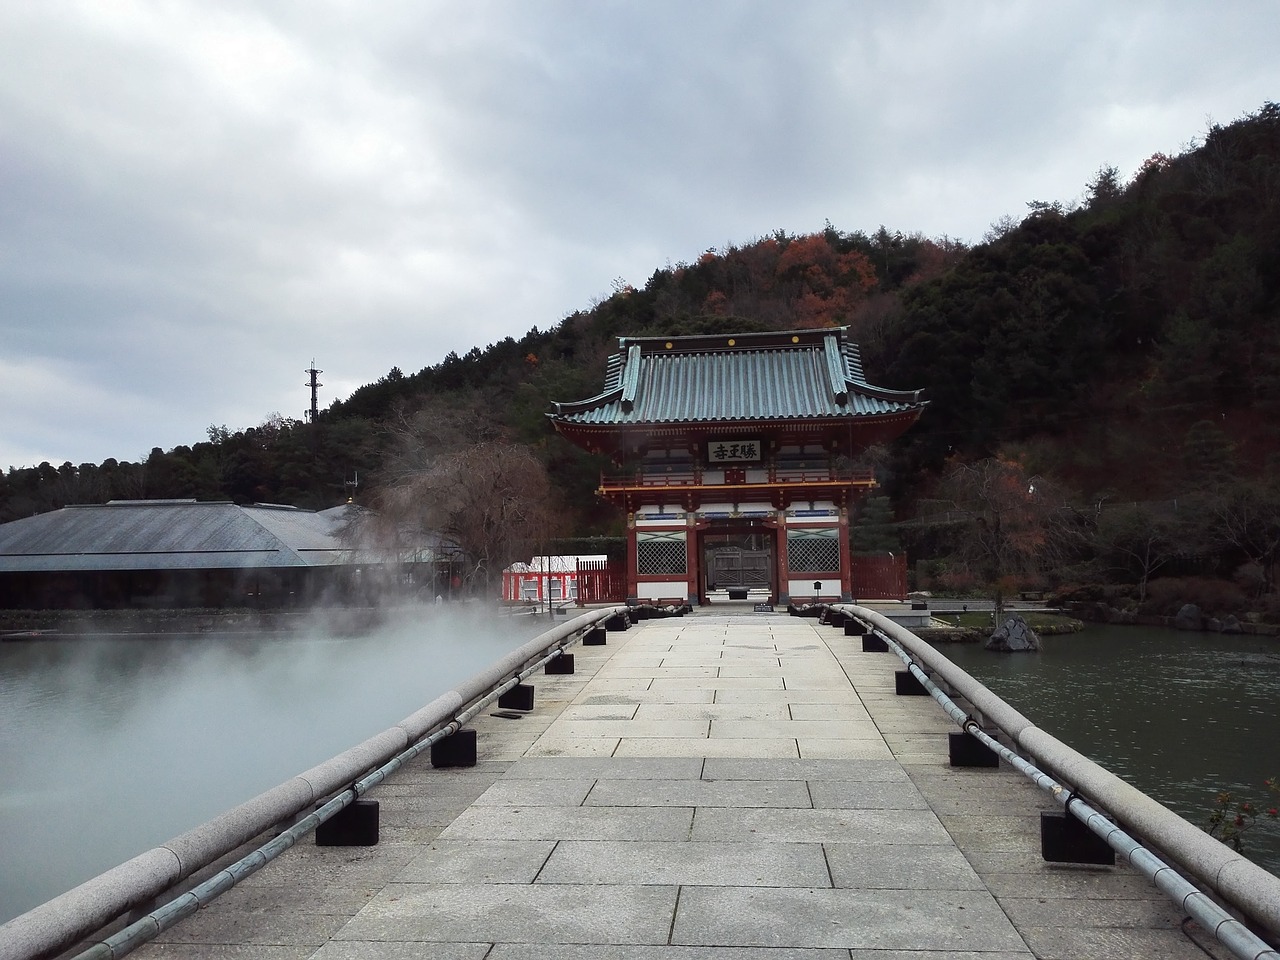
(632, 588)
(694, 527)
(846, 558)
(780, 565)
(691, 565)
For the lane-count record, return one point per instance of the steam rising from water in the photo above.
(110, 746)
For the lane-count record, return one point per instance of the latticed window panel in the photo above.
(660, 554)
(816, 550)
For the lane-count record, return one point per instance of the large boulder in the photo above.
(1014, 636)
(1189, 617)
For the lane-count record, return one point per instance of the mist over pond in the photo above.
(111, 745)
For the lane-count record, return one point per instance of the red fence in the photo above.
(598, 582)
(881, 577)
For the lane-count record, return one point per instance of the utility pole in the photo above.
(315, 385)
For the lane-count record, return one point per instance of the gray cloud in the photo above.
(197, 199)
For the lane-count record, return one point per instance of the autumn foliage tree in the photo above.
(1011, 523)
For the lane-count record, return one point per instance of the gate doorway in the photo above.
(737, 565)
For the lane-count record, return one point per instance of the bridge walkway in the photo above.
(723, 787)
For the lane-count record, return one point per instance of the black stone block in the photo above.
(562, 664)
(853, 628)
(519, 697)
(594, 637)
(907, 684)
(1064, 839)
(966, 750)
(353, 826)
(618, 622)
(873, 644)
(458, 750)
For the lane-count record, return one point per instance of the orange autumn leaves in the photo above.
(806, 276)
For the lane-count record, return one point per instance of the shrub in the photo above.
(1077, 593)
(957, 580)
(1166, 596)
(1269, 606)
(1251, 578)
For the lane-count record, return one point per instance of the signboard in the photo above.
(764, 608)
(734, 451)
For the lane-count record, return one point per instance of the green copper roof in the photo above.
(810, 374)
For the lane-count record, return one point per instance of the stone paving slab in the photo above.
(819, 826)
(749, 682)
(230, 951)
(520, 951)
(410, 950)
(796, 729)
(665, 673)
(828, 711)
(584, 823)
(643, 696)
(858, 794)
(700, 793)
(706, 747)
(569, 747)
(789, 696)
(688, 864)
(835, 748)
(537, 793)
(756, 768)
(1067, 943)
(613, 768)
(900, 866)
(636, 727)
(713, 711)
(472, 861)
(541, 913)
(861, 919)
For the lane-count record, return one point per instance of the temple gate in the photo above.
(735, 460)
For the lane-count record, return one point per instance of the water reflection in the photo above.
(110, 746)
(1180, 716)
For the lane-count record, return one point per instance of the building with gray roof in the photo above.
(175, 553)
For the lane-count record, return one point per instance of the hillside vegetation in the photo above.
(1126, 344)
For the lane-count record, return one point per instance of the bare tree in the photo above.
(1247, 519)
(1012, 522)
(491, 501)
(436, 427)
(1136, 538)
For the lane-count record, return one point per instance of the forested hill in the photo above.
(1117, 342)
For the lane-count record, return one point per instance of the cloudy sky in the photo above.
(197, 199)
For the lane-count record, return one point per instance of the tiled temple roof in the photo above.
(787, 375)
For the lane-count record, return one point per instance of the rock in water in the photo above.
(1014, 636)
(1189, 618)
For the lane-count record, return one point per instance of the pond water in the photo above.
(1181, 716)
(110, 746)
